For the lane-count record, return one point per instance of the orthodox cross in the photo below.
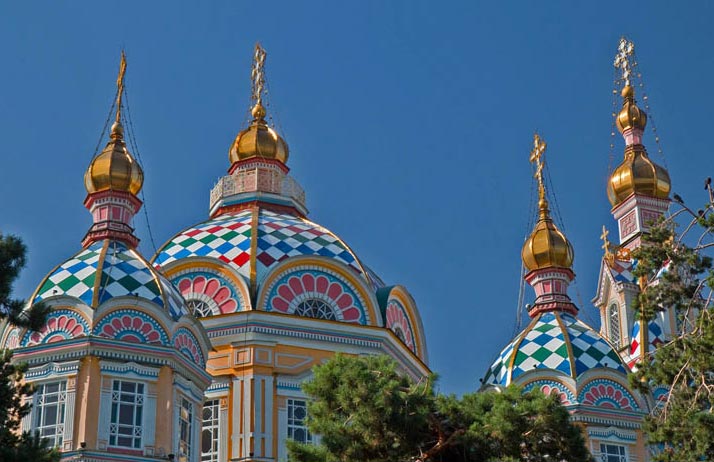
(258, 74)
(120, 84)
(606, 243)
(539, 146)
(622, 59)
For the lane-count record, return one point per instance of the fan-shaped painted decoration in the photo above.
(398, 322)
(208, 294)
(131, 326)
(549, 387)
(316, 294)
(187, 344)
(607, 394)
(12, 340)
(61, 325)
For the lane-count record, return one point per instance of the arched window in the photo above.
(315, 308)
(199, 308)
(613, 316)
(400, 334)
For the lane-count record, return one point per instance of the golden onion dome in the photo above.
(547, 246)
(114, 168)
(637, 174)
(258, 140)
(630, 116)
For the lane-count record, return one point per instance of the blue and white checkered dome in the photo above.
(108, 269)
(557, 342)
(253, 241)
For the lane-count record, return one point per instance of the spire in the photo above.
(117, 129)
(547, 253)
(113, 180)
(258, 141)
(637, 175)
(546, 246)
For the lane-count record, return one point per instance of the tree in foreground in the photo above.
(14, 445)
(676, 272)
(365, 410)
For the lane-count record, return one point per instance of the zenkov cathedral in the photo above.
(198, 353)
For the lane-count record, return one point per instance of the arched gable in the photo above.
(188, 344)
(209, 286)
(400, 314)
(312, 284)
(62, 324)
(131, 325)
(605, 392)
(550, 386)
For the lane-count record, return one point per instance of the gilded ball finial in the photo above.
(258, 140)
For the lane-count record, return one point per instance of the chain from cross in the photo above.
(258, 73)
(120, 84)
(622, 59)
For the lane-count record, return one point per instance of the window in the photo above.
(125, 429)
(314, 308)
(612, 453)
(614, 324)
(297, 412)
(209, 435)
(199, 308)
(185, 419)
(49, 407)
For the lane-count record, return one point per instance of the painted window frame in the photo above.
(138, 414)
(39, 405)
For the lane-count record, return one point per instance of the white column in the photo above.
(223, 429)
(67, 444)
(149, 436)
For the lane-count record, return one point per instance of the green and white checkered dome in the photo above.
(108, 269)
(554, 341)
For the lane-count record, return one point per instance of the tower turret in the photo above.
(547, 253)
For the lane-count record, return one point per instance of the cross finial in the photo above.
(120, 84)
(625, 51)
(258, 74)
(537, 152)
(606, 245)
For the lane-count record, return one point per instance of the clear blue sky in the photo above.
(409, 124)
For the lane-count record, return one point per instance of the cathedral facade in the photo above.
(198, 353)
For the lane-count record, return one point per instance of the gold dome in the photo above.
(547, 246)
(114, 168)
(630, 115)
(258, 140)
(637, 174)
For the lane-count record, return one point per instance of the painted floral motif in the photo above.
(207, 294)
(131, 326)
(12, 340)
(550, 387)
(550, 390)
(398, 322)
(606, 394)
(61, 325)
(297, 290)
(186, 343)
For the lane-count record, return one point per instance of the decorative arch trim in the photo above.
(61, 325)
(131, 326)
(607, 393)
(188, 345)
(348, 284)
(189, 269)
(405, 300)
(549, 387)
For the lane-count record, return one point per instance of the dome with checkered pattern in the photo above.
(106, 270)
(554, 341)
(252, 241)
